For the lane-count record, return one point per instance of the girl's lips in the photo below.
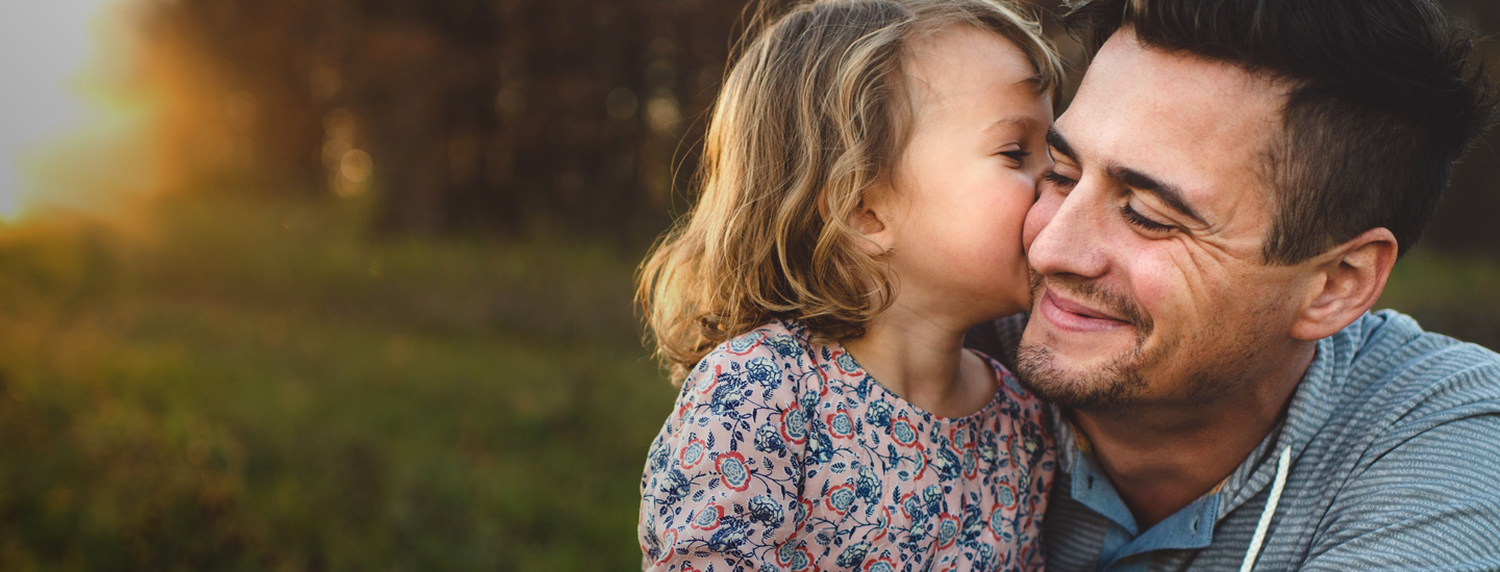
(1069, 315)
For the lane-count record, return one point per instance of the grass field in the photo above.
(258, 385)
(240, 385)
(1458, 295)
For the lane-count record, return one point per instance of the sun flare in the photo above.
(72, 135)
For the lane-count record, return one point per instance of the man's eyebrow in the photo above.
(1168, 193)
(1060, 143)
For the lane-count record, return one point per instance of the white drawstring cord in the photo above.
(1282, 465)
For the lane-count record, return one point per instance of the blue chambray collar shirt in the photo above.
(1124, 546)
(1394, 441)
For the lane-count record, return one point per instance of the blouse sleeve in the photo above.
(723, 479)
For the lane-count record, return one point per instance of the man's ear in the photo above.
(1347, 282)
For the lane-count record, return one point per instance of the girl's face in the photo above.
(966, 178)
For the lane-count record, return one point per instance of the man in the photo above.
(1233, 183)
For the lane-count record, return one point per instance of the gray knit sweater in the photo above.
(1393, 443)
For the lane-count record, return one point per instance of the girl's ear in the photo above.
(865, 220)
(871, 219)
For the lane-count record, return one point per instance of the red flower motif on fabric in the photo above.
(694, 453)
(840, 498)
(903, 432)
(882, 564)
(793, 424)
(947, 529)
(793, 557)
(709, 518)
(882, 523)
(668, 545)
(733, 470)
(840, 425)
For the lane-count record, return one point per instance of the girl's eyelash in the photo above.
(1139, 220)
(1017, 155)
(1052, 177)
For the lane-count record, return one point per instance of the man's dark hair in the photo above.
(1383, 98)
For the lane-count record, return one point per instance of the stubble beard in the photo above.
(1112, 385)
(1222, 370)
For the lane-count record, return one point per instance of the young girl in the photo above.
(866, 174)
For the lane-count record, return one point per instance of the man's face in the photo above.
(1149, 286)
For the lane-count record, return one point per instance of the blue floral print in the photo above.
(782, 454)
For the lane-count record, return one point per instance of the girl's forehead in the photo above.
(962, 60)
(975, 84)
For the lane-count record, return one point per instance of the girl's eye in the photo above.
(1017, 156)
(1141, 221)
(1052, 177)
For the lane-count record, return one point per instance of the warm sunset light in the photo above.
(69, 135)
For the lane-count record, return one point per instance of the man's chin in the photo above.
(1106, 384)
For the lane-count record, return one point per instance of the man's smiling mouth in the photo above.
(1069, 315)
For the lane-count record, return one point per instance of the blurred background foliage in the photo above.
(378, 314)
(465, 114)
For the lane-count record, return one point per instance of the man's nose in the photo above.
(1064, 233)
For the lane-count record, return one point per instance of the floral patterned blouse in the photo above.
(782, 454)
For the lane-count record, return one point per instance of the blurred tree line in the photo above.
(464, 113)
(498, 114)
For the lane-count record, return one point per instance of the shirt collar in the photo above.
(1187, 529)
(1309, 409)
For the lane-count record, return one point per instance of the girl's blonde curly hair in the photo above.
(811, 118)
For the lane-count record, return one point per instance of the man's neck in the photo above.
(1161, 458)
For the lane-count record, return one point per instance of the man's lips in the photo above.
(1069, 315)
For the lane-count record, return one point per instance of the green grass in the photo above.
(236, 385)
(1457, 295)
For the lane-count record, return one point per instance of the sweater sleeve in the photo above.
(1431, 502)
(723, 479)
